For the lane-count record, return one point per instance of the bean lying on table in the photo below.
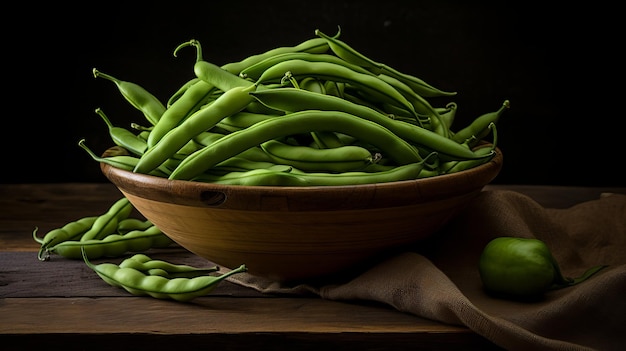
(113, 245)
(138, 283)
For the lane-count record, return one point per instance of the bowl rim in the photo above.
(396, 193)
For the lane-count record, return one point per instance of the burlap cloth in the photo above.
(441, 282)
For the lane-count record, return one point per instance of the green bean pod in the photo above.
(313, 45)
(409, 171)
(448, 115)
(299, 178)
(371, 85)
(125, 162)
(242, 120)
(255, 71)
(113, 245)
(326, 140)
(70, 231)
(489, 150)
(124, 137)
(107, 223)
(421, 105)
(219, 174)
(129, 224)
(346, 52)
(140, 284)
(291, 100)
(339, 159)
(457, 166)
(480, 127)
(312, 84)
(294, 123)
(190, 101)
(334, 88)
(238, 163)
(231, 102)
(147, 265)
(137, 96)
(180, 91)
(254, 177)
(207, 138)
(212, 74)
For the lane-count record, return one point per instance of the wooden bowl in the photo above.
(300, 233)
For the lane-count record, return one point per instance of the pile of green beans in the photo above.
(321, 109)
(319, 113)
(109, 234)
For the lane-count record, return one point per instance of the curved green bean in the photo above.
(180, 91)
(231, 102)
(140, 284)
(212, 74)
(144, 101)
(129, 224)
(147, 265)
(480, 126)
(298, 178)
(338, 159)
(107, 222)
(190, 101)
(255, 71)
(298, 122)
(371, 85)
(346, 52)
(421, 105)
(313, 45)
(124, 137)
(125, 162)
(113, 245)
(291, 100)
(70, 231)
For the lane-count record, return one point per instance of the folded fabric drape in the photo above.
(439, 279)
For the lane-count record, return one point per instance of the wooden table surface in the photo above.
(63, 303)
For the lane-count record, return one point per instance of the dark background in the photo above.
(561, 68)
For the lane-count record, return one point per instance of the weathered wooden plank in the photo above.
(23, 275)
(233, 323)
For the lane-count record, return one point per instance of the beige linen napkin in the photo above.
(439, 279)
